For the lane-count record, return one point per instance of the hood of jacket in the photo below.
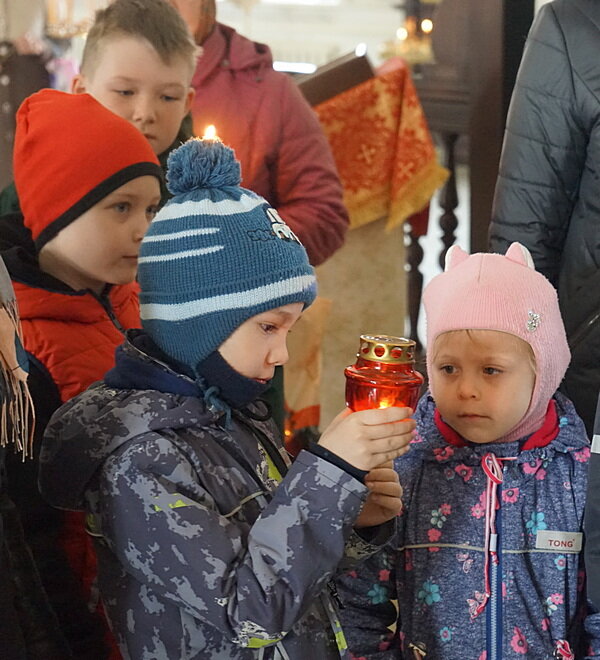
(142, 394)
(105, 418)
(227, 49)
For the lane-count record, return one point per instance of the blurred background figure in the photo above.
(25, 57)
(262, 115)
(548, 184)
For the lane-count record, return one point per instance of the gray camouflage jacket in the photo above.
(205, 550)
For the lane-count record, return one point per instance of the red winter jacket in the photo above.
(285, 156)
(74, 335)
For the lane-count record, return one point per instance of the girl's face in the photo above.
(482, 382)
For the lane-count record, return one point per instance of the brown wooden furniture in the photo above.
(477, 47)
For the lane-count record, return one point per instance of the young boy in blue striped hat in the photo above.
(210, 543)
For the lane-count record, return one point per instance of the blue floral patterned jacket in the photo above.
(535, 605)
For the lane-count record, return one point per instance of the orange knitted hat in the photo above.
(70, 152)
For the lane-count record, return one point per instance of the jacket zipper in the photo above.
(334, 597)
(267, 444)
(104, 300)
(494, 619)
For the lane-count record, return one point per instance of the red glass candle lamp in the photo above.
(383, 374)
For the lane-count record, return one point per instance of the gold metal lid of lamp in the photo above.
(387, 349)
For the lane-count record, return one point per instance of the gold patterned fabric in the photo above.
(383, 149)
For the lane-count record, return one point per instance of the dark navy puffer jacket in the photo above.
(436, 573)
(209, 547)
(548, 189)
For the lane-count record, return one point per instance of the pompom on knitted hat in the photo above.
(503, 293)
(214, 256)
(70, 153)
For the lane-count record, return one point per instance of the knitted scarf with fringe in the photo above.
(16, 407)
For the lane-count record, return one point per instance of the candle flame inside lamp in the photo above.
(210, 133)
(383, 374)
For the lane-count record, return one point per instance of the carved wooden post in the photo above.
(448, 197)
(414, 257)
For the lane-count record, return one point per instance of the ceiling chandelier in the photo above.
(70, 18)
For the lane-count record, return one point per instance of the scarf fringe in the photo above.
(17, 414)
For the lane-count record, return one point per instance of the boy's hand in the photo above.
(384, 501)
(369, 438)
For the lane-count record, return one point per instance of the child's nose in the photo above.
(279, 354)
(144, 110)
(467, 388)
(140, 227)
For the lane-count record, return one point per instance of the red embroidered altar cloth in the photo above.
(383, 150)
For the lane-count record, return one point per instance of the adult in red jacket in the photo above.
(262, 115)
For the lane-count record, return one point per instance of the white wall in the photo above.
(312, 33)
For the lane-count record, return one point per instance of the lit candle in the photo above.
(383, 374)
(210, 133)
(426, 25)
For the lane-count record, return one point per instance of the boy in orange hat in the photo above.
(86, 206)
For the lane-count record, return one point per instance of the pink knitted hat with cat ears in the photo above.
(504, 293)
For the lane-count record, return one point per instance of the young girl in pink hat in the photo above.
(488, 562)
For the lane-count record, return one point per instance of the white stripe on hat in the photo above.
(179, 255)
(180, 234)
(238, 300)
(206, 206)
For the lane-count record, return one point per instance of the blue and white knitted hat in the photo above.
(214, 256)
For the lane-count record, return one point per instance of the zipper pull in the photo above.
(335, 595)
(562, 650)
(418, 650)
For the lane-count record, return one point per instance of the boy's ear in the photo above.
(190, 97)
(78, 84)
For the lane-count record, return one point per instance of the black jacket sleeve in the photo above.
(544, 151)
